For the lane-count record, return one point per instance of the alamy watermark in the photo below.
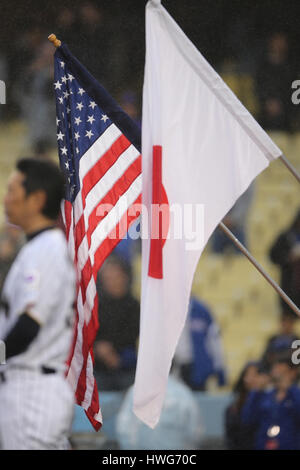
(2, 92)
(296, 353)
(296, 93)
(2, 353)
(160, 221)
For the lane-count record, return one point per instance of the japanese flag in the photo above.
(201, 149)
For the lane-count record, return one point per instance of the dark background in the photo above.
(218, 28)
(206, 22)
(221, 29)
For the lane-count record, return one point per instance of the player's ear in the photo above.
(39, 200)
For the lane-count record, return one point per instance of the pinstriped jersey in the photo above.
(41, 282)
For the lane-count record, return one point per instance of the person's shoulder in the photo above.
(200, 309)
(295, 390)
(134, 303)
(50, 244)
(261, 395)
(49, 239)
(294, 393)
(271, 340)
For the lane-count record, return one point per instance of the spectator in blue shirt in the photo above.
(276, 412)
(199, 354)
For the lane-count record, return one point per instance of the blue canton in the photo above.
(80, 122)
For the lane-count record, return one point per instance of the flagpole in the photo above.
(251, 258)
(290, 167)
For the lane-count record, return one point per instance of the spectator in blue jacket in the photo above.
(275, 412)
(199, 354)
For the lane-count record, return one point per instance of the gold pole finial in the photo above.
(56, 42)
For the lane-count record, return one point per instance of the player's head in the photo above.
(35, 189)
(283, 368)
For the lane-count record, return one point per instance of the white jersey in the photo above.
(41, 281)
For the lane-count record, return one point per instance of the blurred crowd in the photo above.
(265, 411)
(111, 45)
(26, 65)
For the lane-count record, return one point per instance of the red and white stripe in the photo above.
(110, 178)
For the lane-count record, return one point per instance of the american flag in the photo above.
(98, 147)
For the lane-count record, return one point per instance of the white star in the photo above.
(92, 104)
(57, 85)
(89, 134)
(68, 110)
(64, 79)
(70, 77)
(57, 121)
(77, 135)
(62, 64)
(66, 94)
(64, 151)
(81, 91)
(60, 136)
(61, 100)
(77, 150)
(79, 106)
(67, 165)
(78, 121)
(104, 118)
(91, 119)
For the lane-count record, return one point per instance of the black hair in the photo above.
(43, 175)
(296, 221)
(288, 314)
(239, 386)
(240, 390)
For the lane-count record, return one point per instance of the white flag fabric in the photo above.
(200, 151)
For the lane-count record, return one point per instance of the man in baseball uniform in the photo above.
(36, 315)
